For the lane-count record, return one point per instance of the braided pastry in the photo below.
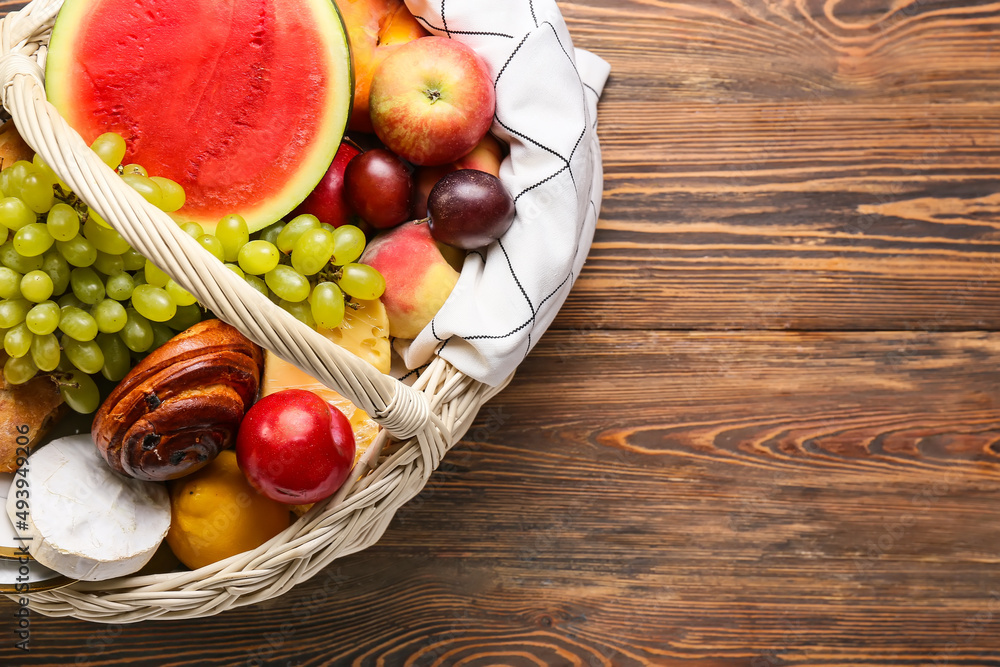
(181, 405)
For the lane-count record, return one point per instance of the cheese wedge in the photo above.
(365, 333)
(84, 520)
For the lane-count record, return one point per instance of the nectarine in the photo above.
(418, 279)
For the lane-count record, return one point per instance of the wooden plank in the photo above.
(795, 166)
(751, 499)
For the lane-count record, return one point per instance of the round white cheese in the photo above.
(83, 519)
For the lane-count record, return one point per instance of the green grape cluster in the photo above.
(76, 300)
(307, 267)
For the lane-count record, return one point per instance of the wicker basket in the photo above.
(427, 418)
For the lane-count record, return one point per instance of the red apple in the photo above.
(327, 201)
(294, 447)
(432, 100)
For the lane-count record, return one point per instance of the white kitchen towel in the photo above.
(547, 95)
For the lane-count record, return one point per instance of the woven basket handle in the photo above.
(404, 412)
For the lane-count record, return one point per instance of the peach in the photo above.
(418, 278)
(375, 28)
(486, 156)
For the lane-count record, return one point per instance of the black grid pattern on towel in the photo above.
(566, 167)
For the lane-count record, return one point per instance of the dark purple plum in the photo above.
(469, 209)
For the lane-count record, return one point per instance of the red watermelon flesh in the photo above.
(242, 102)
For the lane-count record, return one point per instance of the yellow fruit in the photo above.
(215, 514)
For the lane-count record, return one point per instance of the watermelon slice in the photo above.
(242, 102)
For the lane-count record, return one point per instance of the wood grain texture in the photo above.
(795, 165)
(766, 499)
(765, 428)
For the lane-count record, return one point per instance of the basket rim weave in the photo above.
(428, 418)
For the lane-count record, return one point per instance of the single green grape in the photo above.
(153, 303)
(133, 168)
(270, 233)
(109, 315)
(172, 195)
(85, 355)
(258, 257)
(13, 312)
(36, 286)
(134, 260)
(192, 229)
(63, 222)
(180, 296)
(186, 317)
(293, 230)
(77, 324)
(12, 259)
(15, 214)
(155, 275)
(117, 360)
(299, 310)
(109, 265)
(80, 392)
(213, 245)
(137, 334)
(104, 239)
(327, 304)
(119, 286)
(87, 285)
(110, 147)
(257, 283)
(78, 251)
(146, 187)
(312, 251)
(43, 318)
(233, 233)
(45, 352)
(33, 240)
(37, 193)
(236, 269)
(361, 281)
(17, 340)
(54, 264)
(287, 283)
(18, 370)
(10, 283)
(348, 244)
(139, 278)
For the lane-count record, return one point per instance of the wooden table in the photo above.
(765, 428)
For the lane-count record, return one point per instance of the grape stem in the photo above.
(63, 379)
